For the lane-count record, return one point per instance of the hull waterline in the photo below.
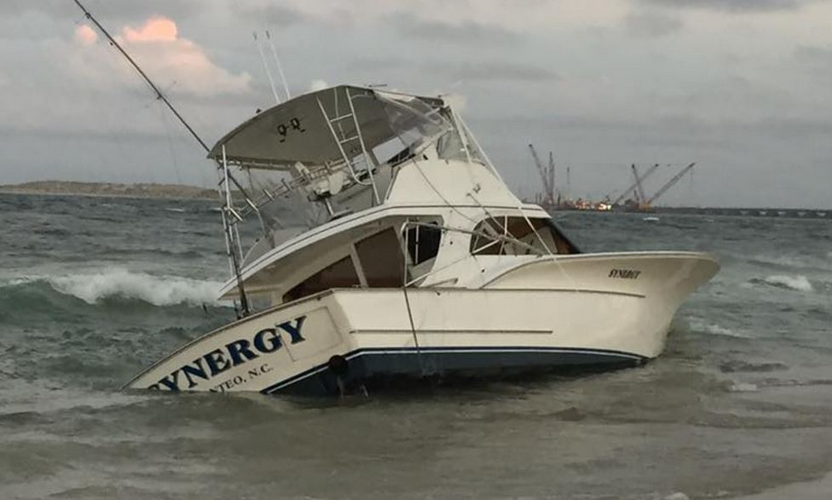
(345, 338)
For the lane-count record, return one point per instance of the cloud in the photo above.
(652, 24)
(156, 29)
(465, 32)
(733, 5)
(85, 35)
(165, 55)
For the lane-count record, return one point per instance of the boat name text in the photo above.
(232, 355)
(624, 274)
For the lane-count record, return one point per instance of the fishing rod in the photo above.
(161, 97)
(159, 94)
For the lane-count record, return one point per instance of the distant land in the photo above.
(143, 190)
(184, 192)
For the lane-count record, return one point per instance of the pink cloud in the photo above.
(155, 29)
(86, 35)
(167, 57)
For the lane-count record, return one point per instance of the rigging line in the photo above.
(407, 302)
(413, 160)
(495, 240)
(259, 214)
(438, 193)
(500, 178)
(169, 136)
(519, 208)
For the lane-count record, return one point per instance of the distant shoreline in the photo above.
(4, 191)
(153, 191)
(144, 191)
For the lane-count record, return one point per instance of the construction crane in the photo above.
(640, 197)
(635, 185)
(670, 184)
(547, 177)
(552, 177)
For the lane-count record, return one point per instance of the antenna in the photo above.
(279, 66)
(266, 67)
(159, 94)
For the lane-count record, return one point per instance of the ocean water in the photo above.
(94, 289)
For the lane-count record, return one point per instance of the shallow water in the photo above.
(93, 290)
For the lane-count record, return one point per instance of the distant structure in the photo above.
(633, 199)
(547, 175)
(640, 202)
(551, 198)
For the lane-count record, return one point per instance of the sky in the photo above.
(742, 87)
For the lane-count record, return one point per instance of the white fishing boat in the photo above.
(413, 260)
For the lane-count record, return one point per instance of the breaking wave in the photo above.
(94, 288)
(798, 282)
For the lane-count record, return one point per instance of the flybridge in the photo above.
(329, 125)
(339, 147)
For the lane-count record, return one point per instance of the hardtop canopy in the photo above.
(320, 127)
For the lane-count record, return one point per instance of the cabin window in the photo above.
(449, 146)
(341, 274)
(381, 259)
(423, 242)
(514, 236)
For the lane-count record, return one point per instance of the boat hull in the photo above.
(530, 318)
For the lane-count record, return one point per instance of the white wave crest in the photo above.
(781, 260)
(156, 290)
(798, 282)
(715, 329)
(743, 387)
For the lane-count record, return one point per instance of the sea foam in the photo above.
(121, 283)
(715, 329)
(798, 282)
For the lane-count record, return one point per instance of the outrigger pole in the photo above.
(235, 265)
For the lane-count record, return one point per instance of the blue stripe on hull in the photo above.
(380, 364)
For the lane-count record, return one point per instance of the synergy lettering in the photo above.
(233, 354)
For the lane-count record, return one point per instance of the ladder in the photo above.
(344, 139)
